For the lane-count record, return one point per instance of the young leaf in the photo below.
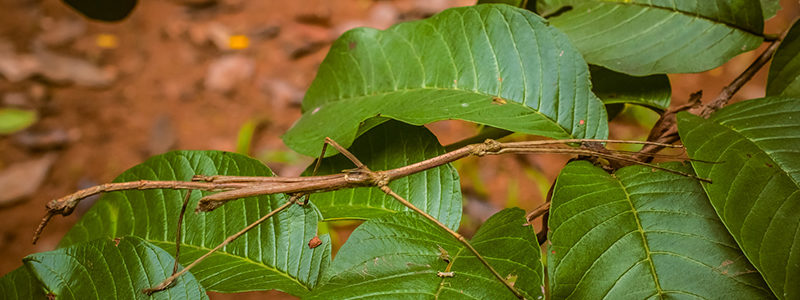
(756, 175)
(641, 37)
(641, 234)
(492, 64)
(13, 120)
(110, 269)
(400, 255)
(392, 145)
(652, 91)
(784, 73)
(20, 284)
(274, 255)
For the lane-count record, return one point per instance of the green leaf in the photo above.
(652, 91)
(515, 3)
(20, 284)
(642, 37)
(641, 234)
(110, 269)
(13, 120)
(756, 189)
(103, 10)
(274, 255)
(770, 8)
(398, 256)
(491, 64)
(392, 145)
(784, 73)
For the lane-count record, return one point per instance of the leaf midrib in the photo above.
(689, 14)
(639, 228)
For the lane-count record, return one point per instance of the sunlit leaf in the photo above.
(13, 120)
(274, 255)
(641, 233)
(755, 148)
(492, 64)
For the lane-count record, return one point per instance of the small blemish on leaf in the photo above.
(445, 274)
(352, 45)
(116, 241)
(315, 110)
(500, 79)
(553, 252)
(51, 296)
(768, 165)
(314, 242)
(581, 122)
(561, 54)
(749, 155)
(464, 104)
(498, 101)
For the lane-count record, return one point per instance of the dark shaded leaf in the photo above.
(103, 10)
(392, 145)
(784, 72)
(20, 284)
(756, 189)
(642, 37)
(641, 234)
(652, 91)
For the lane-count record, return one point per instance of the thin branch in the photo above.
(236, 187)
(737, 83)
(459, 237)
(170, 280)
(178, 231)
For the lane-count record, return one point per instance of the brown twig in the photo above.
(170, 280)
(727, 93)
(666, 129)
(235, 187)
(178, 231)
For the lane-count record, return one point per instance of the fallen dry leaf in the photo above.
(21, 180)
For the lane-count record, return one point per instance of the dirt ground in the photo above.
(179, 75)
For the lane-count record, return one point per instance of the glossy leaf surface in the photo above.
(492, 64)
(641, 234)
(110, 269)
(274, 255)
(756, 189)
(642, 37)
(399, 256)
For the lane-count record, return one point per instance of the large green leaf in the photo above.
(397, 256)
(652, 91)
(392, 145)
(492, 64)
(784, 73)
(274, 255)
(20, 284)
(641, 234)
(756, 189)
(641, 37)
(110, 269)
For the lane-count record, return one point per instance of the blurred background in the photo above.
(92, 99)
